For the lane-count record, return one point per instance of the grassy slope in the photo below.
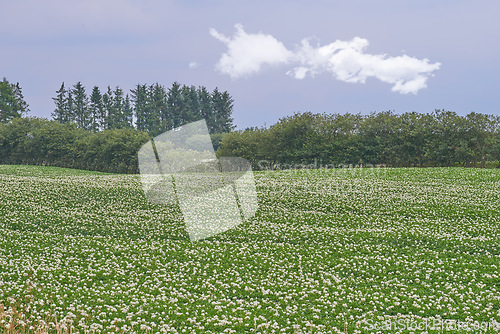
(326, 249)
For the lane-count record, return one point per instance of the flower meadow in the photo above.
(329, 251)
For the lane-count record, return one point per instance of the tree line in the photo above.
(440, 138)
(38, 141)
(150, 108)
(103, 132)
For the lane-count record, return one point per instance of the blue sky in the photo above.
(442, 54)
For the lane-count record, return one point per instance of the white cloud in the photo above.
(247, 53)
(194, 64)
(345, 60)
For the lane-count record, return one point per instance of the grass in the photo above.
(329, 251)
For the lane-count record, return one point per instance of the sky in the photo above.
(275, 58)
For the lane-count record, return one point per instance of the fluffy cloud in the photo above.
(345, 60)
(247, 53)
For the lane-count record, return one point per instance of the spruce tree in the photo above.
(22, 106)
(60, 112)
(140, 106)
(222, 108)
(96, 110)
(107, 103)
(206, 108)
(175, 105)
(81, 116)
(191, 104)
(118, 117)
(128, 113)
(158, 118)
(69, 108)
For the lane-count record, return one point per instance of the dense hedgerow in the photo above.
(411, 139)
(37, 141)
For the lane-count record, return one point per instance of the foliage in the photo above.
(154, 108)
(43, 142)
(441, 138)
(12, 103)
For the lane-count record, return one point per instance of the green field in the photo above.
(329, 251)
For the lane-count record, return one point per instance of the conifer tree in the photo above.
(155, 111)
(191, 104)
(117, 117)
(222, 104)
(128, 113)
(96, 110)
(175, 105)
(12, 104)
(206, 107)
(21, 105)
(80, 106)
(60, 112)
(69, 107)
(107, 103)
(140, 106)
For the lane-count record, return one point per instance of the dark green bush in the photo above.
(38, 141)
